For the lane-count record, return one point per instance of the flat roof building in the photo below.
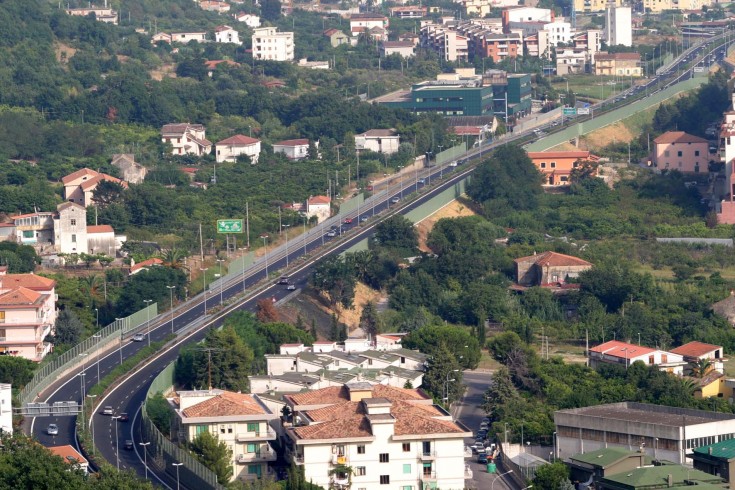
(663, 432)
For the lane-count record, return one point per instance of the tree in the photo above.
(459, 341)
(369, 320)
(397, 233)
(443, 377)
(160, 412)
(214, 454)
(68, 329)
(17, 371)
(107, 192)
(265, 310)
(583, 169)
(270, 10)
(19, 258)
(551, 476)
(701, 368)
(335, 278)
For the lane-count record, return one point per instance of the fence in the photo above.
(110, 335)
(163, 453)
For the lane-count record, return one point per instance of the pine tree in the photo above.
(334, 329)
(313, 330)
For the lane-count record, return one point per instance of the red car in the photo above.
(348, 221)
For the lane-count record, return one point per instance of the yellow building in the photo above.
(595, 5)
(625, 64)
(661, 5)
(712, 384)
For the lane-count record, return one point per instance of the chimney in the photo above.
(670, 480)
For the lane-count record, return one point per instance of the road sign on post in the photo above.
(229, 226)
(583, 111)
(570, 111)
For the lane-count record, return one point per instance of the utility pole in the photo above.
(247, 226)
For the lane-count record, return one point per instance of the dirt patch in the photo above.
(168, 70)
(455, 209)
(63, 52)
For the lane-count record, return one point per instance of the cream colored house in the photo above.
(226, 34)
(297, 149)
(27, 314)
(79, 186)
(131, 172)
(384, 141)
(250, 20)
(389, 437)
(319, 206)
(241, 420)
(269, 44)
(70, 229)
(186, 138)
(230, 148)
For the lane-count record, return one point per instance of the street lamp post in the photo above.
(285, 227)
(221, 282)
(97, 322)
(553, 443)
(265, 246)
(148, 321)
(400, 180)
(304, 235)
(204, 290)
(91, 422)
(178, 484)
(497, 478)
(122, 330)
(98, 336)
(145, 456)
(117, 441)
(446, 384)
(171, 290)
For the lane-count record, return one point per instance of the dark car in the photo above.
(283, 280)
(124, 417)
(482, 458)
(128, 445)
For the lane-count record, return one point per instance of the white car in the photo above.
(453, 164)
(52, 430)
(139, 337)
(395, 200)
(107, 410)
(291, 287)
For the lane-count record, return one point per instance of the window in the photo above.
(361, 449)
(651, 360)
(361, 471)
(384, 458)
(678, 153)
(73, 222)
(74, 239)
(543, 164)
(251, 448)
(427, 469)
(221, 429)
(696, 153)
(201, 428)
(253, 427)
(664, 358)
(407, 487)
(2, 320)
(407, 469)
(385, 479)
(666, 153)
(406, 447)
(229, 429)
(553, 164)
(254, 470)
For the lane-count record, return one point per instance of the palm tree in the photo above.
(173, 257)
(701, 368)
(93, 287)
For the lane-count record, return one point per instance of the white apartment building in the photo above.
(269, 44)
(526, 14)
(250, 20)
(384, 141)
(241, 420)
(448, 43)
(726, 207)
(230, 148)
(27, 315)
(570, 60)
(619, 29)
(226, 34)
(186, 138)
(559, 32)
(101, 14)
(389, 437)
(296, 149)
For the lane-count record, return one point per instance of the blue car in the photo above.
(482, 459)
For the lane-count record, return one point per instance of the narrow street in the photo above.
(469, 411)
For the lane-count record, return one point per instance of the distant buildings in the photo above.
(617, 352)
(71, 456)
(319, 206)
(131, 172)
(101, 14)
(677, 150)
(269, 44)
(214, 6)
(250, 20)
(297, 149)
(336, 37)
(230, 148)
(557, 166)
(716, 459)
(407, 49)
(79, 186)
(384, 141)
(180, 37)
(594, 5)
(362, 23)
(548, 269)
(226, 34)
(447, 42)
(186, 139)
(619, 64)
(619, 29)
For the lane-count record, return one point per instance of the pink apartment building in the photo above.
(677, 150)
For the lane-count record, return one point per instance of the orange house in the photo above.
(556, 166)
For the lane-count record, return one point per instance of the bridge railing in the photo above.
(81, 353)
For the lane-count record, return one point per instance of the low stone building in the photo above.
(548, 269)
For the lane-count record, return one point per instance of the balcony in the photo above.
(266, 435)
(339, 459)
(42, 351)
(297, 458)
(267, 455)
(427, 455)
(429, 476)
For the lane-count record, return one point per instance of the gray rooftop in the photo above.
(649, 414)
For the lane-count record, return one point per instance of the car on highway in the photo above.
(421, 181)
(363, 219)
(291, 287)
(128, 445)
(283, 281)
(395, 200)
(348, 221)
(482, 458)
(52, 430)
(124, 417)
(107, 410)
(138, 337)
(453, 164)
(331, 233)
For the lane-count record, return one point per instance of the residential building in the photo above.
(364, 22)
(548, 269)
(626, 64)
(407, 49)
(336, 37)
(661, 475)
(250, 20)
(230, 148)
(6, 409)
(71, 456)
(131, 172)
(677, 150)
(477, 8)
(716, 459)
(384, 141)
(161, 37)
(186, 138)
(27, 315)
(617, 352)
(537, 45)
(498, 47)
(101, 14)
(658, 6)
(269, 44)
(214, 6)
(35, 229)
(226, 34)
(180, 37)
(70, 229)
(590, 40)
(144, 265)
(712, 384)
(619, 29)
(313, 65)
(592, 466)
(466, 97)
(571, 61)
(239, 420)
(319, 206)
(694, 351)
(79, 186)
(557, 166)
(101, 240)
(409, 12)
(726, 207)
(525, 14)
(665, 433)
(448, 43)
(594, 5)
(390, 437)
(297, 149)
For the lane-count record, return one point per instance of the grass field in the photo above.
(591, 86)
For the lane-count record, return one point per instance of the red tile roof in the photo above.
(533, 155)
(225, 404)
(695, 349)
(319, 200)
(100, 229)
(238, 139)
(618, 56)
(554, 259)
(68, 453)
(223, 28)
(19, 296)
(146, 263)
(622, 350)
(30, 281)
(670, 137)
(380, 133)
(79, 173)
(297, 142)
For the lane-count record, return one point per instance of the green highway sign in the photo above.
(229, 226)
(570, 111)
